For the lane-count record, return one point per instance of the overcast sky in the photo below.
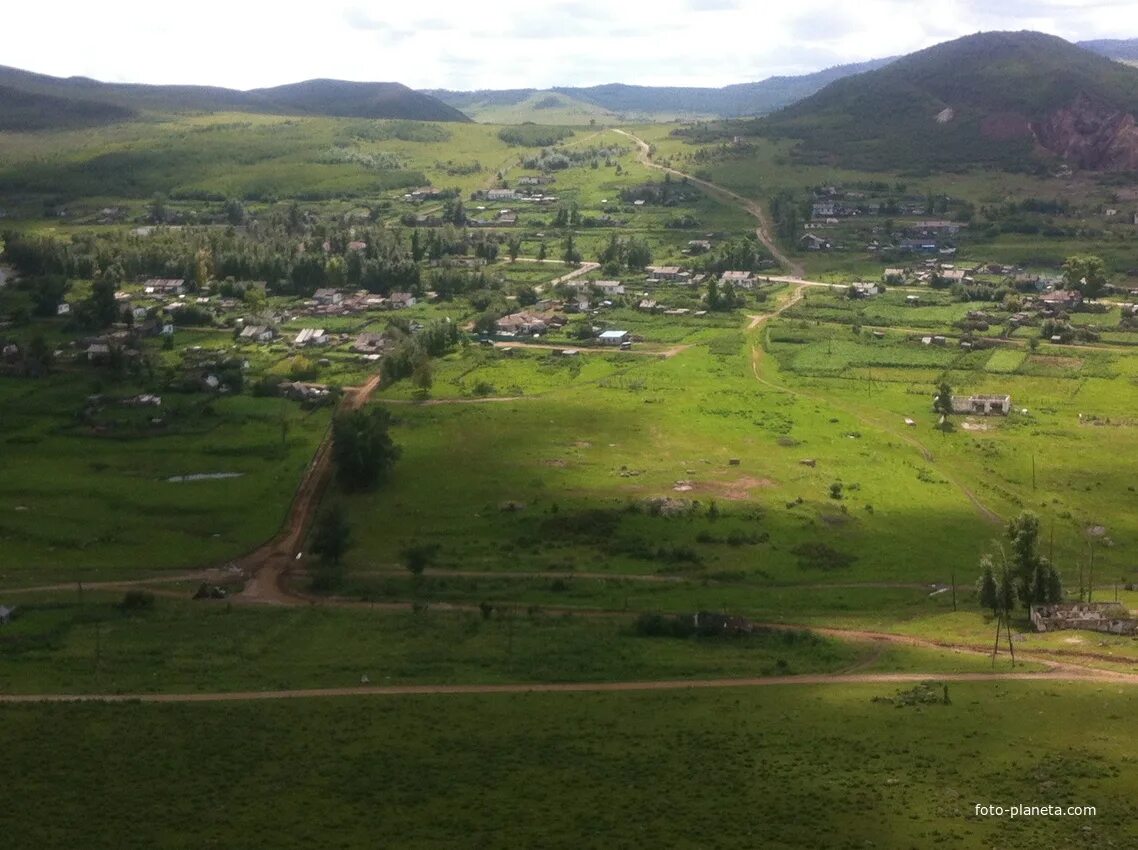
(508, 43)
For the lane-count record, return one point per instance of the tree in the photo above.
(38, 357)
(255, 299)
(234, 211)
(418, 556)
(486, 323)
(638, 254)
(332, 536)
(1036, 581)
(714, 301)
(942, 399)
(542, 252)
(362, 448)
(103, 305)
(571, 256)
(418, 251)
(1086, 273)
(986, 587)
(423, 376)
(513, 248)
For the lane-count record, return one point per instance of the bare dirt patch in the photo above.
(1057, 362)
(1002, 126)
(975, 426)
(734, 491)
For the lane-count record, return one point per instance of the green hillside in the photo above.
(356, 100)
(24, 110)
(617, 101)
(31, 101)
(972, 101)
(518, 106)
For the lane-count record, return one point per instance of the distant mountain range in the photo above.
(36, 101)
(1003, 99)
(1122, 49)
(617, 100)
(30, 101)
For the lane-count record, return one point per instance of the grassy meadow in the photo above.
(818, 766)
(778, 459)
(98, 501)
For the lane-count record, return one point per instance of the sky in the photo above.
(508, 43)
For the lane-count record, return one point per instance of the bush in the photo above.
(660, 625)
(418, 556)
(137, 600)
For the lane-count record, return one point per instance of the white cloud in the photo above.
(511, 43)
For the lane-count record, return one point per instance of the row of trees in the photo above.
(364, 456)
(1025, 577)
(389, 258)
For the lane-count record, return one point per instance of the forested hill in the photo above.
(1008, 99)
(31, 101)
(618, 99)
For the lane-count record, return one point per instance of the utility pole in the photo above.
(1033, 470)
(1011, 646)
(510, 635)
(1091, 573)
(996, 645)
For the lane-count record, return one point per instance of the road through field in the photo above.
(757, 355)
(763, 230)
(268, 564)
(1103, 676)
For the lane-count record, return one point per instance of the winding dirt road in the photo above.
(763, 231)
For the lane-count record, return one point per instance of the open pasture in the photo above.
(785, 767)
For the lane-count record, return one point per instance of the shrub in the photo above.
(137, 600)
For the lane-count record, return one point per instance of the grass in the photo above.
(784, 767)
(59, 644)
(89, 504)
(1005, 360)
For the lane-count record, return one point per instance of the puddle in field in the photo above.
(203, 476)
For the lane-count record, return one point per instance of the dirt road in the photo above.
(671, 351)
(585, 687)
(763, 231)
(269, 564)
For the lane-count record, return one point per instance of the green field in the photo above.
(773, 456)
(98, 502)
(781, 767)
